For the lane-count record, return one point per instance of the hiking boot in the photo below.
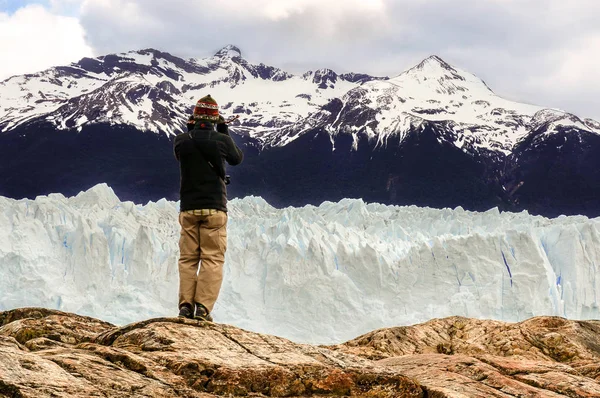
(185, 311)
(202, 313)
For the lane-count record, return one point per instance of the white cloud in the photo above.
(288, 29)
(573, 80)
(277, 9)
(33, 39)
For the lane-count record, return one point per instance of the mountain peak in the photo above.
(434, 62)
(229, 51)
(435, 76)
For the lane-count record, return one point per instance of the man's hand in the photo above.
(223, 128)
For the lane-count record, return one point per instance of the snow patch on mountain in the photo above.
(313, 274)
(435, 91)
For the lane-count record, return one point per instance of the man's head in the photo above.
(206, 110)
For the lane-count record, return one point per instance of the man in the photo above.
(201, 153)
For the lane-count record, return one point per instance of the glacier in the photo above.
(318, 275)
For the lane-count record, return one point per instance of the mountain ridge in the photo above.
(433, 89)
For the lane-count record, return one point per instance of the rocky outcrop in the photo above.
(461, 357)
(45, 353)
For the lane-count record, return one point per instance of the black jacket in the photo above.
(202, 153)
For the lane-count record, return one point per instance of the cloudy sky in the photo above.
(544, 52)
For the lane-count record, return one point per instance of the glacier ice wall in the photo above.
(313, 274)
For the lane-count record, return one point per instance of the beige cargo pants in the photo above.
(202, 244)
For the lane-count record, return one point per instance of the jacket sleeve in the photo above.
(176, 143)
(233, 154)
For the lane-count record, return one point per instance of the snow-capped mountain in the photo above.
(155, 91)
(433, 135)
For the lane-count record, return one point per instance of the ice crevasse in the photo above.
(313, 274)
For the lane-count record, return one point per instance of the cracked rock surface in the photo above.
(461, 357)
(45, 353)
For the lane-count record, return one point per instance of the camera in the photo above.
(227, 179)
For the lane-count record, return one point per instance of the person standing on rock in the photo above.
(202, 152)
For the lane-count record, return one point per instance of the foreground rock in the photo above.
(45, 353)
(460, 357)
(48, 353)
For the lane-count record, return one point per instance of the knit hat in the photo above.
(206, 109)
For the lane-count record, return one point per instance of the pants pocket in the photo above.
(215, 228)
